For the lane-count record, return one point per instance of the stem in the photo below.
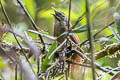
(90, 39)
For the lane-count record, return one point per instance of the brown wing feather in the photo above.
(75, 38)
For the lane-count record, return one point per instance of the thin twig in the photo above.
(48, 69)
(4, 45)
(103, 29)
(84, 14)
(43, 35)
(34, 26)
(90, 39)
(84, 65)
(116, 76)
(98, 6)
(78, 20)
(32, 21)
(98, 32)
(60, 46)
(69, 14)
(103, 75)
(85, 57)
(69, 24)
(2, 52)
(47, 76)
(61, 77)
(16, 72)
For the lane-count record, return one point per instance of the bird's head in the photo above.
(60, 16)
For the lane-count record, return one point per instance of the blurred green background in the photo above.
(101, 15)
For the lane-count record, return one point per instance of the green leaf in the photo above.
(99, 5)
(47, 61)
(30, 5)
(80, 29)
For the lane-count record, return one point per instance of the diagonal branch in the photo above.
(86, 58)
(109, 50)
(97, 32)
(32, 21)
(90, 39)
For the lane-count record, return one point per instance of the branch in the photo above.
(84, 65)
(32, 21)
(109, 50)
(86, 58)
(16, 48)
(91, 49)
(116, 76)
(98, 32)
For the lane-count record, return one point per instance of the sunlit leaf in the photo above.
(100, 4)
(30, 5)
(47, 61)
(80, 29)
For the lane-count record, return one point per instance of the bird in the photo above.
(60, 26)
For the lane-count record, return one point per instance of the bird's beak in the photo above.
(55, 15)
(52, 14)
(54, 10)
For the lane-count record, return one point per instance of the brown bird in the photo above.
(60, 26)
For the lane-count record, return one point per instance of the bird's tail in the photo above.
(75, 70)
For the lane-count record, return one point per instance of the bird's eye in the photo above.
(63, 15)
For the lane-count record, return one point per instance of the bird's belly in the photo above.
(58, 32)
